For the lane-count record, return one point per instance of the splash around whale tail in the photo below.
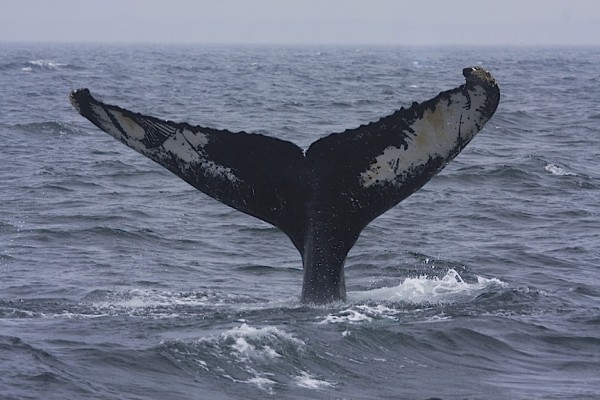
(321, 198)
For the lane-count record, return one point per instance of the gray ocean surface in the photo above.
(120, 281)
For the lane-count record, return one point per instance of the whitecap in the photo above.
(558, 171)
(248, 342)
(248, 350)
(243, 354)
(305, 380)
(46, 64)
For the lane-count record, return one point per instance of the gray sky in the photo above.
(417, 22)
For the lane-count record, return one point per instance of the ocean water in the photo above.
(119, 281)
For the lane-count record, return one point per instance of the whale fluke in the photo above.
(322, 198)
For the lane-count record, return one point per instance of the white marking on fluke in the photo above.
(436, 134)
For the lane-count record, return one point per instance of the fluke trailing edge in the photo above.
(324, 197)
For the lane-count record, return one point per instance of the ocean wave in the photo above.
(29, 370)
(259, 357)
(47, 64)
(135, 303)
(264, 343)
(573, 178)
(84, 233)
(157, 304)
(9, 310)
(557, 170)
(39, 66)
(6, 257)
(305, 380)
(11, 66)
(43, 65)
(49, 128)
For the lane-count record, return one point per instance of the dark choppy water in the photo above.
(118, 281)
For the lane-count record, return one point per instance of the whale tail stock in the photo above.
(321, 198)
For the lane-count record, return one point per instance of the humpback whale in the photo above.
(321, 198)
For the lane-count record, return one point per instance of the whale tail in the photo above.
(322, 198)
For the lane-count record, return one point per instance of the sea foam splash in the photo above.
(451, 288)
(248, 342)
(43, 64)
(424, 289)
(305, 380)
(558, 171)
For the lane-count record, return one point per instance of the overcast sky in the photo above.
(416, 22)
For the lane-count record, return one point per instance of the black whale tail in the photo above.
(321, 199)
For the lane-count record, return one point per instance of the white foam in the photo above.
(558, 171)
(424, 289)
(379, 310)
(348, 315)
(150, 303)
(262, 383)
(255, 343)
(251, 351)
(243, 354)
(305, 380)
(363, 313)
(143, 298)
(246, 330)
(45, 64)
